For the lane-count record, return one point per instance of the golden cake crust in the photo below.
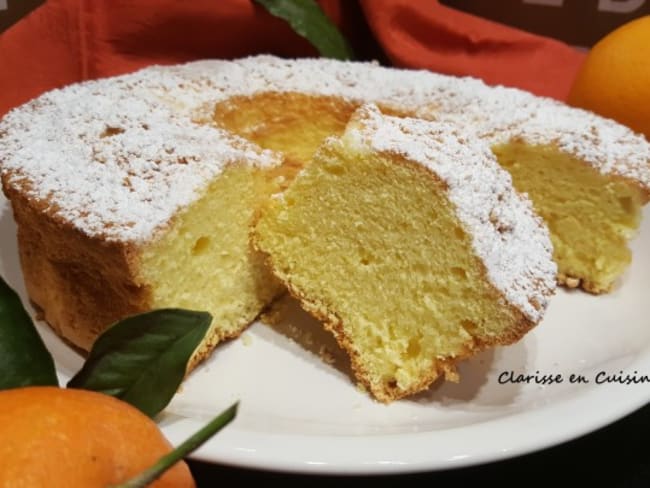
(80, 284)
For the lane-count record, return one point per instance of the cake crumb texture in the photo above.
(411, 246)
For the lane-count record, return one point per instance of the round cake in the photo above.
(137, 192)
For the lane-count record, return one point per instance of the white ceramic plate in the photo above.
(301, 414)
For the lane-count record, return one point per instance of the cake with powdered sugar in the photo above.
(137, 192)
(407, 239)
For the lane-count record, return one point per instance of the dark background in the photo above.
(16, 10)
(576, 22)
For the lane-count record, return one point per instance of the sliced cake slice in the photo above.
(591, 211)
(407, 240)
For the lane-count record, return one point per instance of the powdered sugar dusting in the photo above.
(495, 113)
(506, 233)
(118, 157)
(114, 162)
(499, 114)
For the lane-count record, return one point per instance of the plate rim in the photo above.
(230, 448)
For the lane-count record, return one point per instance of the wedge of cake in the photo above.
(407, 240)
(591, 213)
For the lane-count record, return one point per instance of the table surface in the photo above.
(615, 456)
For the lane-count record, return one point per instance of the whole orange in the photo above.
(70, 438)
(614, 80)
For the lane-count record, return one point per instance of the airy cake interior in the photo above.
(590, 216)
(590, 221)
(371, 245)
(204, 261)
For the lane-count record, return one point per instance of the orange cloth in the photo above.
(65, 41)
(425, 34)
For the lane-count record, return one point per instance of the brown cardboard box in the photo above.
(11, 11)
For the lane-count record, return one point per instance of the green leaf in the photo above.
(194, 442)
(308, 20)
(142, 359)
(24, 359)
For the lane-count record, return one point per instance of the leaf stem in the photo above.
(192, 443)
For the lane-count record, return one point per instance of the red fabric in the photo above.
(425, 34)
(65, 41)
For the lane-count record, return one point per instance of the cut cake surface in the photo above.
(407, 239)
